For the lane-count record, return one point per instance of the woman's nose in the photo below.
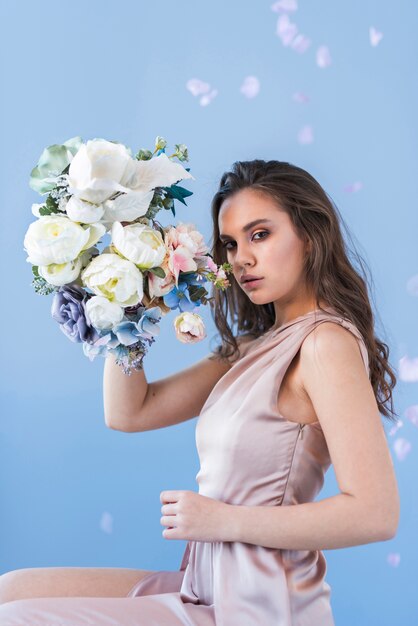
(243, 258)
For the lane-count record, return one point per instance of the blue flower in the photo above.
(129, 332)
(106, 342)
(125, 334)
(179, 297)
(69, 310)
(148, 322)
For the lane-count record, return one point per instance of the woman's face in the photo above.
(260, 239)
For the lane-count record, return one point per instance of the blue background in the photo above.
(119, 71)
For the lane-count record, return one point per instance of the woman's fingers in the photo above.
(168, 509)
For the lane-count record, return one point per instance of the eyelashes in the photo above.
(225, 244)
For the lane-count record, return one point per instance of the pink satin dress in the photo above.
(249, 455)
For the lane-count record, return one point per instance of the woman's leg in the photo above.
(48, 582)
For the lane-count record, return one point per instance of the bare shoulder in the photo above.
(327, 339)
(331, 355)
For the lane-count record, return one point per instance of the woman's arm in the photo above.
(368, 507)
(131, 404)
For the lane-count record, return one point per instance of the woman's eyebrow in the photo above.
(262, 220)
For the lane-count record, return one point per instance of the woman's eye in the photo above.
(261, 232)
(225, 244)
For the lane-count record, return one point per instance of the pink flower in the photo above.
(158, 287)
(189, 327)
(211, 265)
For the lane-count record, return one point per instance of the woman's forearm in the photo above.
(123, 395)
(336, 522)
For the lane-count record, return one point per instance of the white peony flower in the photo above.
(96, 171)
(118, 280)
(57, 239)
(160, 171)
(139, 243)
(189, 327)
(102, 313)
(59, 274)
(128, 206)
(81, 211)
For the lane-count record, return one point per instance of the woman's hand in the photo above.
(191, 516)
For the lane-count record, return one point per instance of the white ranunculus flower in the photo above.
(189, 327)
(118, 280)
(97, 170)
(139, 243)
(57, 239)
(81, 211)
(95, 231)
(102, 313)
(160, 171)
(59, 274)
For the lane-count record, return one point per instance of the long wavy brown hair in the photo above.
(328, 269)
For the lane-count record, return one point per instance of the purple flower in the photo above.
(69, 310)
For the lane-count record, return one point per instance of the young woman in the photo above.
(299, 384)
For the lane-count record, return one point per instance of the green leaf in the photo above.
(42, 287)
(178, 193)
(51, 206)
(35, 270)
(51, 203)
(196, 292)
(158, 271)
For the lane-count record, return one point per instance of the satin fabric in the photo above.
(249, 455)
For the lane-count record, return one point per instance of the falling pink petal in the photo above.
(402, 448)
(408, 369)
(412, 414)
(305, 135)
(284, 6)
(300, 97)
(323, 56)
(412, 285)
(375, 36)
(395, 428)
(250, 87)
(207, 98)
(106, 523)
(197, 87)
(394, 559)
(300, 43)
(353, 187)
(286, 30)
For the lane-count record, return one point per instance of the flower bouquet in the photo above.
(112, 299)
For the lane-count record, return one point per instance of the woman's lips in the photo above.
(252, 283)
